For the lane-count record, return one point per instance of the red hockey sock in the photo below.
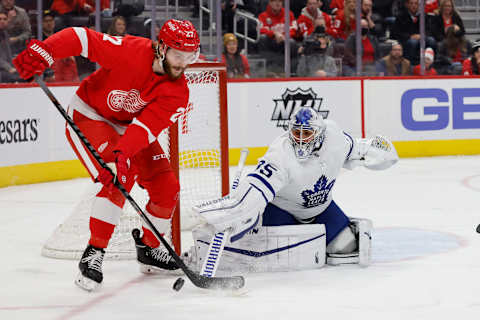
(149, 238)
(100, 233)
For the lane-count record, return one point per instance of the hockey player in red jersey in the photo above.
(139, 90)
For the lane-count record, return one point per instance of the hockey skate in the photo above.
(152, 260)
(90, 265)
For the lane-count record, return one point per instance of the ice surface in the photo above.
(426, 257)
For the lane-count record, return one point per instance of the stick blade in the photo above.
(216, 283)
(220, 283)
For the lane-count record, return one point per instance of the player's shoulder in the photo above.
(280, 143)
(334, 135)
(140, 44)
(332, 127)
(280, 150)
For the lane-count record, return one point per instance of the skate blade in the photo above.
(86, 283)
(147, 269)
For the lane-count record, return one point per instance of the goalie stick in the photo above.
(215, 250)
(198, 280)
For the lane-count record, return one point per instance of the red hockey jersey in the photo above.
(125, 87)
(270, 22)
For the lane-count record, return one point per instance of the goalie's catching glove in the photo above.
(377, 153)
(34, 59)
(119, 168)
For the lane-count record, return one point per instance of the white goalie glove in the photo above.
(377, 153)
(236, 213)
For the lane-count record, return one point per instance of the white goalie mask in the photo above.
(306, 130)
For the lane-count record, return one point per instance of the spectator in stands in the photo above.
(336, 6)
(272, 30)
(8, 73)
(62, 70)
(431, 7)
(311, 17)
(373, 19)
(48, 24)
(394, 64)
(452, 51)
(406, 31)
(370, 52)
(471, 66)
(237, 63)
(272, 24)
(228, 11)
(118, 27)
(429, 69)
(77, 7)
(229, 8)
(315, 58)
(19, 28)
(447, 17)
(344, 21)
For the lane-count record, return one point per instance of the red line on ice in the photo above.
(96, 300)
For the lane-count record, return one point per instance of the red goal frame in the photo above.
(224, 161)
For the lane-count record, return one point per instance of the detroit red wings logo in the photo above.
(129, 101)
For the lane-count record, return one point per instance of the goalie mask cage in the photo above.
(197, 146)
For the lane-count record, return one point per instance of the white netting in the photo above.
(200, 175)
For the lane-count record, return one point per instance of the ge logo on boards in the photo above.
(462, 114)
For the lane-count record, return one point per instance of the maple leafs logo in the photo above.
(319, 194)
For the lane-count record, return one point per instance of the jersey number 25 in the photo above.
(265, 168)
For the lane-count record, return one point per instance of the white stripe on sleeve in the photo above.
(82, 36)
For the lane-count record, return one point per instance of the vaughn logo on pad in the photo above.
(292, 99)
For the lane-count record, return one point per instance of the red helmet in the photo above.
(180, 35)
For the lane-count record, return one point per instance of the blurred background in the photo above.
(269, 38)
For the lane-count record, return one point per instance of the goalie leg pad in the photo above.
(362, 229)
(265, 249)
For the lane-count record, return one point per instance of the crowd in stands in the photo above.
(321, 37)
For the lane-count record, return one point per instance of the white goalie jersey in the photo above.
(302, 188)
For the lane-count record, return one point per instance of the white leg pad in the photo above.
(265, 249)
(362, 228)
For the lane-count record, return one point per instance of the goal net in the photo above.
(197, 146)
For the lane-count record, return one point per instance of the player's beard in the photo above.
(169, 70)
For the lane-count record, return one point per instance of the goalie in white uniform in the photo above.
(282, 216)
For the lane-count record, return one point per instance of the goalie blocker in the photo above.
(282, 248)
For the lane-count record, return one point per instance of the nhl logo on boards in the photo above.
(293, 99)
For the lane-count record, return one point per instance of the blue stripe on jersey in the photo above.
(263, 194)
(257, 254)
(241, 234)
(265, 182)
(230, 207)
(351, 144)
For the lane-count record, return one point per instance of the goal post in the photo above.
(197, 147)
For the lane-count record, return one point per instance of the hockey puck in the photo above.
(178, 284)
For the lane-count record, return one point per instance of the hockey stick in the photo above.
(198, 280)
(219, 239)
